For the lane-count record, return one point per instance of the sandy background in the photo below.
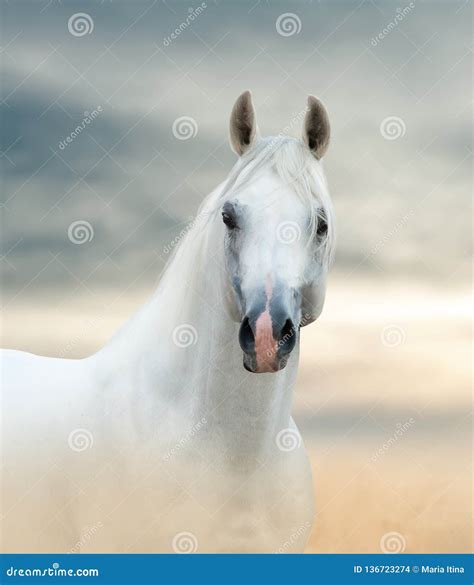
(384, 407)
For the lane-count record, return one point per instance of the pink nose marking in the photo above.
(265, 344)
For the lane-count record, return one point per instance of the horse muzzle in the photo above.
(267, 342)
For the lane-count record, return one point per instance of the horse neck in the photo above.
(188, 353)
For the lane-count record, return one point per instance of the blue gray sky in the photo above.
(395, 77)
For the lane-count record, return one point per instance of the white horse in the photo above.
(164, 440)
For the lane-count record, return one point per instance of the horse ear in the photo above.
(243, 124)
(316, 127)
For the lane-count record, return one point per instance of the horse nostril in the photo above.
(287, 329)
(287, 339)
(246, 336)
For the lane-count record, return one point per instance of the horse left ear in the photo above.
(316, 128)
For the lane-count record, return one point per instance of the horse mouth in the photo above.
(270, 366)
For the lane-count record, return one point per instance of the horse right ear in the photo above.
(243, 124)
(316, 131)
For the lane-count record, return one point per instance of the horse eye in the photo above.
(228, 220)
(322, 225)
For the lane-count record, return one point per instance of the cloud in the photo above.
(137, 185)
